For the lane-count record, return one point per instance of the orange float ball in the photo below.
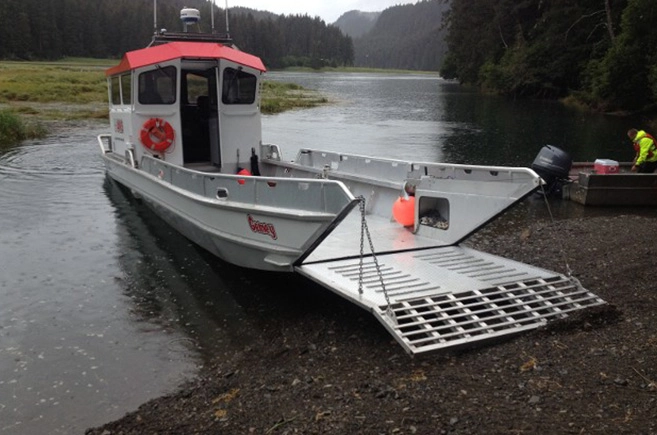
(403, 210)
(243, 172)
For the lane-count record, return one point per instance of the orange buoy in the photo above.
(157, 134)
(244, 172)
(403, 210)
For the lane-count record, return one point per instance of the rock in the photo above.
(620, 381)
(534, 400)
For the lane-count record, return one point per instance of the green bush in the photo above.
(14, 130)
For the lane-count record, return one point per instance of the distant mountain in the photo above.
(405, 37)
(257, 14)
(356, 23)
(408, 36)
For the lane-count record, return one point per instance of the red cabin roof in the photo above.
(175, 50)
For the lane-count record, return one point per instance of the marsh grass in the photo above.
(278, 97)
(76, 89)
(46, 82)
(14, 129)
(82, 81)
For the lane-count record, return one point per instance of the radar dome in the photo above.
(190, 16)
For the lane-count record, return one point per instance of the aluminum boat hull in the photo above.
(243, 233)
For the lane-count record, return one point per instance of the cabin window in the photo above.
(197, 86)
(239, 87)
(126, 88)
(158, 86)
(115, 90)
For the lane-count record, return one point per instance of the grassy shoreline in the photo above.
(32, 93)
(69, 89)
(82, 81)
(14, 129)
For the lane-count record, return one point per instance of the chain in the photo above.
(365, 231)
(569, 272)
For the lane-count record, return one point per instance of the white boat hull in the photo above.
(384, 234)
(249, 234)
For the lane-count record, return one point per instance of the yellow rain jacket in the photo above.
(645, 147)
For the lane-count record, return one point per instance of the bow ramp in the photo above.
(446, 297)
(429, 292)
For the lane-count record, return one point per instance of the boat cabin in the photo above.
(191, 103)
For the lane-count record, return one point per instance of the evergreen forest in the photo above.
(407, 36)
(53, 29)
(602, 53)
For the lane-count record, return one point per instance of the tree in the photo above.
(538, 49)
(405, 37)
(50, 29)
(626, 78)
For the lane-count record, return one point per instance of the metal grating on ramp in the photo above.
(449, 320)
(453, 296)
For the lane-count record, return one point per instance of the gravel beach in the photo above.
(332, 368)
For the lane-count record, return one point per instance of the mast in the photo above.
(227, 27)
(155, 17)
(212, 14)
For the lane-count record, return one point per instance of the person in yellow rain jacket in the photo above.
(645, 161)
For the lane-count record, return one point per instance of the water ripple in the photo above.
(51, 158)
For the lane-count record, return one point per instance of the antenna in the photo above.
(227, 27)
(154, 17)
(212, 15)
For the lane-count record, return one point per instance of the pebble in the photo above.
(620, 381)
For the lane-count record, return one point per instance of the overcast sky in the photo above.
(328, 10)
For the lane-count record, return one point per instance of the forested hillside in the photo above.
(52, 29)
(603, 52)
(356, 23)
(405, 37)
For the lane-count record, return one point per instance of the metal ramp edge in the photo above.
(454, 296)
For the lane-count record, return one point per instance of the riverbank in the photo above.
(34, 93)
(334, 369)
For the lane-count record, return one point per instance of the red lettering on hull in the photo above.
(262, 227)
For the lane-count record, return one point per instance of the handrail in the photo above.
(100, 138)
(269, 194)
(130, 153)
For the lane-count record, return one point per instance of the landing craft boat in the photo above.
(186, 138)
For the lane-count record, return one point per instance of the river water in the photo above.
(103, 306)
(426, 118)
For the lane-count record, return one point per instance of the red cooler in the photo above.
(605, 166)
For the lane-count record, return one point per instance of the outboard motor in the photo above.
(553, 165)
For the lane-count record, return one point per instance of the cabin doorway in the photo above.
(199, 116)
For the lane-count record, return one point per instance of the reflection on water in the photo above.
(103, 306)
(71, 347)
(172, 282)
(504, 132)
(426, 118)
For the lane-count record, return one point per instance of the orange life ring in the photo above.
(157, 134)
